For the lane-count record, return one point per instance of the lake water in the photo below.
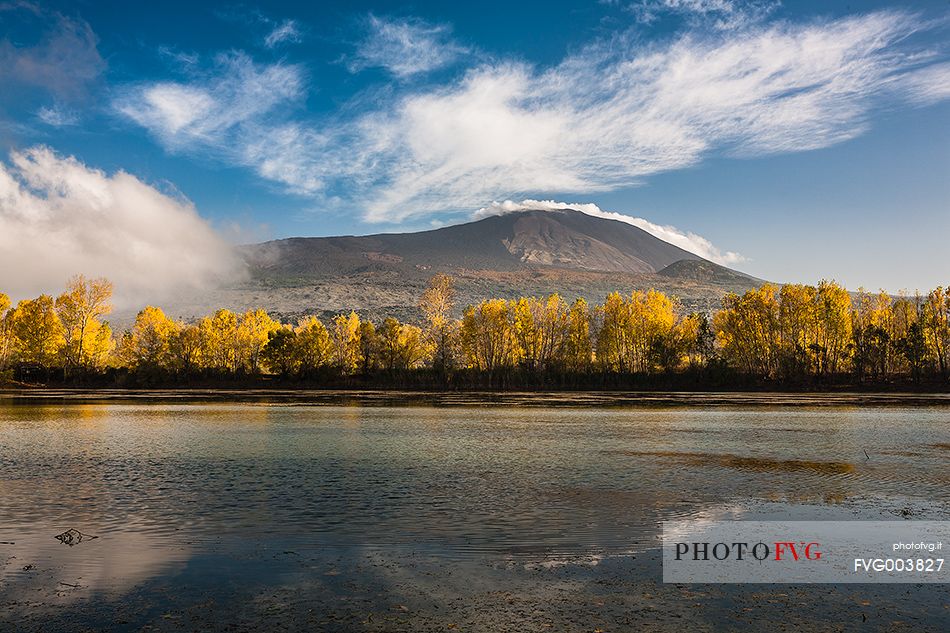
(514, 514)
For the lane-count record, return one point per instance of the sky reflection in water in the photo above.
(271, 492)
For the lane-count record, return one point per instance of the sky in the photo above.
(794, 141)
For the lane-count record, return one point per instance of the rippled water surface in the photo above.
(281, 493)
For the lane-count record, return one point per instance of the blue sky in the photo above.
(795, 141)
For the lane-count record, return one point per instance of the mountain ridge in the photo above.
(522, 253)
(563, 238)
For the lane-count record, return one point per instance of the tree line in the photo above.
(791, 333)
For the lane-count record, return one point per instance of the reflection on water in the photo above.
(174, 489)
(761, 464)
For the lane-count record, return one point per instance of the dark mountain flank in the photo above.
(516, 241)
(528, 253)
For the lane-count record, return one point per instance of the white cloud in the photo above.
(686, 240)
(209, 109)
(233, 113)
(604, 118)
(719, 14)
(57, 116)
(58, 218)
(286, 31)
(405, 47)
(612, 115)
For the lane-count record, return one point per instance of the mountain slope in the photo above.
(529, 253)
(516, 241)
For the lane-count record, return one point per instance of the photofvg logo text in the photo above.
(804, 551)
(760, 551)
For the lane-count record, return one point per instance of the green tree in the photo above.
(280, 354)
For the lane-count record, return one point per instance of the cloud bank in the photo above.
(606, 117)
(687, 241)
(58, 218)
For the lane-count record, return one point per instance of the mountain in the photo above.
(515, 241)
(523, 253)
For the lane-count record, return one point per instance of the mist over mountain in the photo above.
(525, 253)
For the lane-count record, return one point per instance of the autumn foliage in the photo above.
(787, 333)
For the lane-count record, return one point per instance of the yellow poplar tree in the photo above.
(312, 346)
(87, 340)
(36, 331)
(436, 305)
(936, 325)
(187, 348)
(540, 327)
(219, 344)
(578, 351)
(5, 339)
(833, 342)
(251, 335)
(613, 345)
(747, 330)
(369, 347)
(796, 327)
(149, 342)
(488, 336)
(402, 345)
(346, 342)
(654, 316)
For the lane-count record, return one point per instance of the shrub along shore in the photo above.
(790, 337)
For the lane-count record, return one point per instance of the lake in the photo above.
(521, 513)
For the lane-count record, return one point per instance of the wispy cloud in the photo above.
(616, 113)
(155, 244)
(684, 239)
(232, 112)
(606, 117)
(405, 47)
(719, 14)
(57, 116)
(181, 59)
(286, 32)
(64, 62)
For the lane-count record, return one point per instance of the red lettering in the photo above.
(782, 545)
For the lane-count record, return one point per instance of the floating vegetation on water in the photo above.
(758, 464)
(73, 536)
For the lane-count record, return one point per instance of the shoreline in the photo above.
(547, 398)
